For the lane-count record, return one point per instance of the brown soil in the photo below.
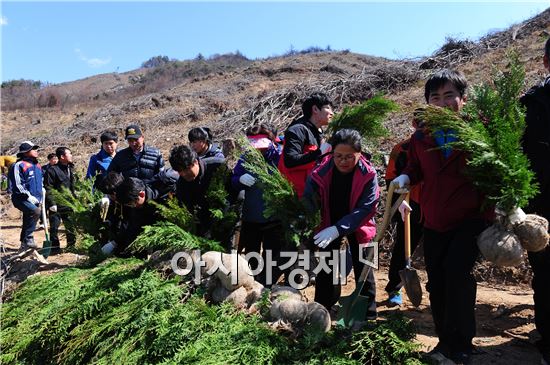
(505, 325)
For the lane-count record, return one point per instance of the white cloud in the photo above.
(92, 62)
(3, 20)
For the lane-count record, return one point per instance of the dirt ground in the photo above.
(505, 318)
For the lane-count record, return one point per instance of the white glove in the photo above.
(516, 216)
(108, 248)
(31, 199)
(401, 183)
(247, 180)
(326, 236)
(104, 207)
(53, 209)
(404, 206)
(325, 147)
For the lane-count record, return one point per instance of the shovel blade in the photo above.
(46, 248)
(353, 309)
(411, 282)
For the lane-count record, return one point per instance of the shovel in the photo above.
(409, 276)
(354, 306)
(47, 244)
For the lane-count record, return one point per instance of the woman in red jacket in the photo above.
(345, 188)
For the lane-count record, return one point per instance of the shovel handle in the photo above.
(407, 233)
(44, 217)
(387, 215)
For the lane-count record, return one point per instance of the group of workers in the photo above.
(334, 176)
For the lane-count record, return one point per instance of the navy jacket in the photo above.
(25, 179)
(144, 167)
(253, 205)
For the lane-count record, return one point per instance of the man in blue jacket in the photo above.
(25, 180)
(99, 162)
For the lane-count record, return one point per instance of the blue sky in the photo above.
(65, 41)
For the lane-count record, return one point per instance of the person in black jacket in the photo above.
(52, 160)
(200, 139)
(137, 160)
(536, 145)
(58, 176)
(192, 185)
(304, 142)
(134, 195)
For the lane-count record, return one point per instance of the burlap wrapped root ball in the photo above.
(289, 310)
(318, 318)
(284, 292)
(242, 297)
(237, 272)
(500, 246)
(533, 232)
(287, 305)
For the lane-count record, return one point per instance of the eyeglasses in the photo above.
(341, 158)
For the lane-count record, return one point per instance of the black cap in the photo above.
(132, 131)
(25, 147)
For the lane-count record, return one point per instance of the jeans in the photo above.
(55, 221)
(31, 213)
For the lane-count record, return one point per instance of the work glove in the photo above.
(247, 180)
(108, 248)
(404, 206)
(53, 209)
(325, 147)
(401, 183)
(516, 216)
(326, 236)
(31, 199)
(104, 207)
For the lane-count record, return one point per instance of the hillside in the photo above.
(82, 316)
(230, 92)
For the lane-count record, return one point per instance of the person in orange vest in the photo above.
(304, 142)
(396, 164)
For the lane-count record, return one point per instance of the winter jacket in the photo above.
(536, 143)
(363, 199)
(448, 196)
(25, 179)
(133, 221)
(58, 176)
(396, 165)
(300, 152)
(148, 164)
(253, 205)
(193, 193)
(163, 184)
(99, 163)
(213, 150)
